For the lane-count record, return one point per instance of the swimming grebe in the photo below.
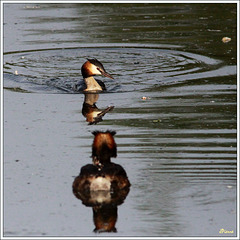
(91, 68)
(102, 175)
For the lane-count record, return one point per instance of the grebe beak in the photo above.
(105, 73)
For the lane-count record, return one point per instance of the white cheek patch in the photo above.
(94, 70)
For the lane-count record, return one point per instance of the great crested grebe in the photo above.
(91, 68)
(102, 174)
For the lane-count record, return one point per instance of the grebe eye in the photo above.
(100, 70)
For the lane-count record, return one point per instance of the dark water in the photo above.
(178, 146)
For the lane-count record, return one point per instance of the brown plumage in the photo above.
(102, 174)
(104, 146)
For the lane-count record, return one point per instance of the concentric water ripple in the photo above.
(134, 68)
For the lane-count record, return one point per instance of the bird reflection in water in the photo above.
(90, 111)
(102, 185)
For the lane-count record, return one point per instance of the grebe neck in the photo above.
(92, 84)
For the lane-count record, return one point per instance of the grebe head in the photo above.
(93, 67)
(103, 147)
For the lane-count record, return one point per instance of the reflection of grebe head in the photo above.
(104, 146)
(93, 67)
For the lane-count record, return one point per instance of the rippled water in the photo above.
(178, 146)
(134, 68)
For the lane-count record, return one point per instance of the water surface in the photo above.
(178, 145)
